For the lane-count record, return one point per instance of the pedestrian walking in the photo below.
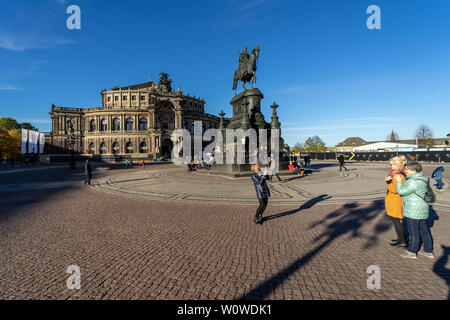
(437, 175)
(309, 162)
(393, 201)
(88, 172)
(415, 210)
(273, 168)
(127, 163)
(142, 165)
(262, 191)
(341, 162)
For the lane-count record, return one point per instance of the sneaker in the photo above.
(399, 244)
(428, 255)
(409, 255)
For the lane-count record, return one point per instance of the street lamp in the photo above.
(71, 139)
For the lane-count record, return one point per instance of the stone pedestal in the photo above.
(247, 114)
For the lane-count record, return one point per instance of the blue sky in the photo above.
(327, 71)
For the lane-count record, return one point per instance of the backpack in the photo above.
(429, 197)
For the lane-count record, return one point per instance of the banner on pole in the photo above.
(24, 140)
(41, 142)
(32, 141)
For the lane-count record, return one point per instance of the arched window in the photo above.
(104, 125)
(129, 124)
(129, 147)
(102, 148)
(115, 148)
(143, 147)
(116, 124)
(142, 124)
(92, 125)
(91, 148)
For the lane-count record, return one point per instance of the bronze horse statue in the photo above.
(248, 73)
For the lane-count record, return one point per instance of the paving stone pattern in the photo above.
(182, 246)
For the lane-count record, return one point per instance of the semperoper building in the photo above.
(134, 120)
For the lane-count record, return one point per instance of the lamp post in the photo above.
(71, 139)
(397, 150)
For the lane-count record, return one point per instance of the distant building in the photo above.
(135, 120)
(358, 144)
(385, 146)
(349, 144)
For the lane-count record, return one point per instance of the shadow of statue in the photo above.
(349, 219)
(441, 270)
(308, 204)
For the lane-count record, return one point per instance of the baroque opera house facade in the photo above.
(135, 120)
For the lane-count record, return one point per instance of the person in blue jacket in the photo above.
(262, 191)
(437, 175)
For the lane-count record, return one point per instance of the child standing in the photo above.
(437, 175)
(415, 210)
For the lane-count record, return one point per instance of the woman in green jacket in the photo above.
(415, 210)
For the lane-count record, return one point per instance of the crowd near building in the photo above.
(134, 120)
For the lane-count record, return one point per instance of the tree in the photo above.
(27, 125)
(424, 132)
(10, 141)
(9, 123)
(392, 137)
(298, 147)
(425, 135)
(314, 144)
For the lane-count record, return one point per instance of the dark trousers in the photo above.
(398, 229)
(262, 207)
(88, 179)
(275, 174)
(418, 230)
(439, 184)
(341, 165)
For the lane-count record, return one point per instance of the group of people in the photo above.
(195, 163)
(129, 164)
(407, 199)
(297, 169)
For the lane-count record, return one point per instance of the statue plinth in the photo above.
(248, 102)
(246, 114)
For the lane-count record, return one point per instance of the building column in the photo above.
(178, 119)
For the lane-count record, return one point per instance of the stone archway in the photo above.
(165, 116)
(166, 147)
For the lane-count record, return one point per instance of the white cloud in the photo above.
(22, 42)
(252, 4)
(293, 89)
(369, 119)
(35, 120)
(328, 127)
(8, 87)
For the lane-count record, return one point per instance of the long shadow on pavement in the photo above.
(350, 219)
(441, 270)
(308, 204)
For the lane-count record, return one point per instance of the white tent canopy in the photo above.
(384, 146)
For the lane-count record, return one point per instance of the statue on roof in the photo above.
(164, 81)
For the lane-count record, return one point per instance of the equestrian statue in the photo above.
(246, 71)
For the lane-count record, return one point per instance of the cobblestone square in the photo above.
(166, 233)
